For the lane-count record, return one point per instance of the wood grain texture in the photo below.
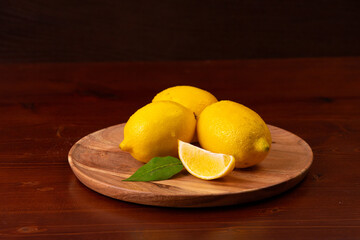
(129, 30)
(99, 163)
(46, 108)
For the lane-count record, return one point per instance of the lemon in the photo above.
(193, 98)
(231, 128)
(204, 164)
(153, 130)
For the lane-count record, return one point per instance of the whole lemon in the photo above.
(153, 130)
(231, 128)
(193, 98)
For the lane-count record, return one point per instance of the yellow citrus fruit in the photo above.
(193, 98)
(231, 128)
(153, 130)
(204, 164)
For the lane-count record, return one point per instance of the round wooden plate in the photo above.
(99, 163)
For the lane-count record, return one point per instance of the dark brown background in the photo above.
(130, 30)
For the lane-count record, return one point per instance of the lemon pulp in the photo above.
(205, 164)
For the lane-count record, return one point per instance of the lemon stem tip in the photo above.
(123, 146)
(262, 145)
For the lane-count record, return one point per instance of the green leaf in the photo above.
(158, 168)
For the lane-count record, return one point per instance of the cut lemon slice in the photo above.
(205, 164)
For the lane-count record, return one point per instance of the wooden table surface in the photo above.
(45, 108)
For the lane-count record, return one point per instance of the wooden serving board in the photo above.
(99, 163)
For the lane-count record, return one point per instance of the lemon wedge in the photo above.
(204, 164)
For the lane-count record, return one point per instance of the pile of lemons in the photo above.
(230, 134)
